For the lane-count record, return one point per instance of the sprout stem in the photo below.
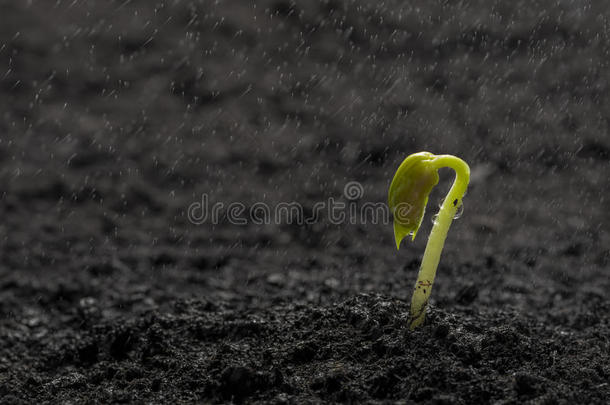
(436, 240)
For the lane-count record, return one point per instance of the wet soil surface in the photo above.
(118, 117)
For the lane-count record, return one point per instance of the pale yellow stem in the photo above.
(436, 240)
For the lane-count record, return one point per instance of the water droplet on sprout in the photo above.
(459, 212)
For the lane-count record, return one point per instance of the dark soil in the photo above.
(116, 116)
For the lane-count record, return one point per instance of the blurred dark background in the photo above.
(117, 116)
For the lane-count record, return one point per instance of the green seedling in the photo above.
(407, 198)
